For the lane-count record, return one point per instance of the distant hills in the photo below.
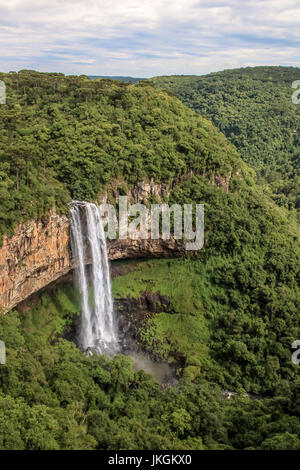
(253, 107)
(121, 79)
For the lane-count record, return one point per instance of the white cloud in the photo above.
(145, 38)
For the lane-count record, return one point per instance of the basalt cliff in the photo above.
(39, 253)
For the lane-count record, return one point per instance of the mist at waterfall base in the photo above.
(98, 332)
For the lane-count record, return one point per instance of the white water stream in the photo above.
(98, 330)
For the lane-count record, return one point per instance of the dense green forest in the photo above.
(52, 396)
(63, 137)
(253, 107)
(233, 310)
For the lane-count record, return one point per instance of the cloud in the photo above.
(146, 38)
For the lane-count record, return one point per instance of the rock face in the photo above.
(39, 253)
(133, 313)
(122, 249)
(35, 256)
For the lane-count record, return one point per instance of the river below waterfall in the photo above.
(160, 371)
(98, 329)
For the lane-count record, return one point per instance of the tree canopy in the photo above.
(253, 107)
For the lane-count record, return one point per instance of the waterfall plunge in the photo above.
(98, 330)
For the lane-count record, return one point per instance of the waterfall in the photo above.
(98, 330)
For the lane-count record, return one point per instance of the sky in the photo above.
(144, 38)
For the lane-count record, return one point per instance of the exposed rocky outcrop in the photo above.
(143, 308)
(134, 312)
(141, 192)
(39, 253)
(36, 255)
(133, 315)
(122, 249)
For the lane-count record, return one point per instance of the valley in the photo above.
(222, 318)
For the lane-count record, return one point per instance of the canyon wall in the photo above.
(36, 255)
(39, 253)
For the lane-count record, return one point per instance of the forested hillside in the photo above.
(254, 109)
(52, 396)
(133, 80)
(63, 137)
(233, 312)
